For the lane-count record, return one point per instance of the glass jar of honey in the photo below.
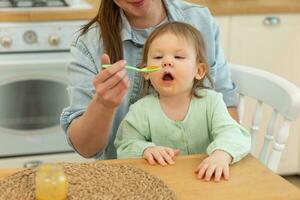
(51, 182)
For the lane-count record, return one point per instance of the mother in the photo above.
(100, 98)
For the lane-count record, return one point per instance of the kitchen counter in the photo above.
(241, 7)
(217, 7)
(49, 14)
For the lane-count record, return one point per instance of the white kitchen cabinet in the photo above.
(272, 43)
(29, 161)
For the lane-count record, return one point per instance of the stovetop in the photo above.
(32, 3)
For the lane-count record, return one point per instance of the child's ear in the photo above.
(201, 71)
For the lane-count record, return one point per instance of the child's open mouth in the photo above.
(167, 76)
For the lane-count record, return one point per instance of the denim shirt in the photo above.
(85, 64)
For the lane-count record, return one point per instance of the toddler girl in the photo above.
(177, 112)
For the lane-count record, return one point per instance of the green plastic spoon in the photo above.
(145, 69)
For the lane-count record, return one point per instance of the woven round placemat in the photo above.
(90, 181)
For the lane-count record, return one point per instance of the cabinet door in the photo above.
(272, 43)
(224, 23)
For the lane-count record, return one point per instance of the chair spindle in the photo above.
(268, 137)
(241, 107)
(255, 124)
(278, 146)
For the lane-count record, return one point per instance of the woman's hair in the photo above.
(191, 35)
(109, 20)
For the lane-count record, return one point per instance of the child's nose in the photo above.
(167, 63)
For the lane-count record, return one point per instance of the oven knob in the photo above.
(5, 41)
(54, 40)
(30, 37)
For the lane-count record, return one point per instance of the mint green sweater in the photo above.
(206, 127)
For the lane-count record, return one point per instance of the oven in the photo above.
(33, 58)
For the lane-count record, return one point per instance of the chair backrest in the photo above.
(278, 93)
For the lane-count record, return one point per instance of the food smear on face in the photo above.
(152, 68)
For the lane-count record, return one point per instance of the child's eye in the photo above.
(157, 57)
(179, 57)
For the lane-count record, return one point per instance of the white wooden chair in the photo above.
(278, 93)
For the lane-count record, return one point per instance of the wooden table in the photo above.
(249, 179)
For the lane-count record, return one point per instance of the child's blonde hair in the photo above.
(191, 34)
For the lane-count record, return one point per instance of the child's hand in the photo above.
(161, 155)
(217, 163)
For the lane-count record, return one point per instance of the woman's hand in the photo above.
(161, 155)
(111, 84)
(216, 164)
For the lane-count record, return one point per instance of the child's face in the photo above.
(177, 57)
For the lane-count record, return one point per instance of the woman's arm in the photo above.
(223, 82)
(89, 133)
(222, 73)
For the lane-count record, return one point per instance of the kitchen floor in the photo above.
(294, 179)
